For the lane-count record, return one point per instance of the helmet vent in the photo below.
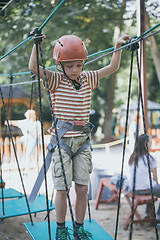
(60, 43)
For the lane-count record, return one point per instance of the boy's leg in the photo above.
(80, 210)
(61, 205)
(61, 208)
(81, 202)
(82, 168)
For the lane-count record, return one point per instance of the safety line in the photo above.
(149, 30)
(22, 73)
(124, 144)
(110, 49)
(19, 83)
(45, 22)
(13, 49)
(26, 40)
(137, 39)
(124, 46)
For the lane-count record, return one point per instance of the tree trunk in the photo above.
(108, 114)
(154, 49)
(107, 127)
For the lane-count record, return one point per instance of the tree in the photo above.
(93, 21)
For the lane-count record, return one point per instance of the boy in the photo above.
(71, 99)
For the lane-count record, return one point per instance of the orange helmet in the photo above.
(69, 48)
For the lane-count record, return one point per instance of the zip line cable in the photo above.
(49, 17)
(20, 83)
(124, 145)
(39, 29)
(43, 148)
(136, 40)
(112, 50)
(23, 73)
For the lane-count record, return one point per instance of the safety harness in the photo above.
(63, 127)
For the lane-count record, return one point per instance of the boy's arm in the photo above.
(33, 64)
(116, 59)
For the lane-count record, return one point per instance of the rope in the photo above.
(22, 73)
(136, 40)
(3, 210)
(49, 17)
(10, 132)
(132, 48)
(19, 83)
(124, 146)
(89, 210)
(136, 158)
(149, 170)
(40, 28)
(43, 149)
(135, 168)
(110, 50)
(149, 30)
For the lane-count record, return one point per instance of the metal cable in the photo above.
(40, 28)
(124, 146)
(43, 149)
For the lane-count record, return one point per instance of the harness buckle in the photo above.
(83, 126)
(51, 147)
(79, 123)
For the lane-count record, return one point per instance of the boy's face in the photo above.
(73, 68)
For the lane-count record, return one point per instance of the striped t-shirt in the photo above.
(68, 103)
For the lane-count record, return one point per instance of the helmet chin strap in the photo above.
(76, 84)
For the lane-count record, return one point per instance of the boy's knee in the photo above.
(81, 190)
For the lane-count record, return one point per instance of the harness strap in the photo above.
(51, 146)
(63, 126)
(85, 145)
(66, 148)
(40, 178)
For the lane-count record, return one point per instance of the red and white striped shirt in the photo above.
(68, 103)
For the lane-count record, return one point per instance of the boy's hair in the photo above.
(69, 48)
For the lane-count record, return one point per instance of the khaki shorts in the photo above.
(77, 170)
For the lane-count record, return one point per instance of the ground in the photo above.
(105, 163)
(13, 228)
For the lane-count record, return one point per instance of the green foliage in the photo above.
(94, 22)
